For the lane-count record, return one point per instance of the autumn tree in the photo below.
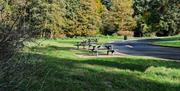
(118, 18)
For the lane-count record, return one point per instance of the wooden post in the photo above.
(125, 37)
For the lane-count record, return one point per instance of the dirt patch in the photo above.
(90, 55)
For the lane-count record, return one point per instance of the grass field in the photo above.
(61, 70)
(171, 41)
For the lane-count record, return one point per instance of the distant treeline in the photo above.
(70, 18)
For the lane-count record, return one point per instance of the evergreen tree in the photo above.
(160, 16)
(82, 19)
(47, 17)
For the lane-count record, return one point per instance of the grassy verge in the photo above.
(62, 70)
(171, 41)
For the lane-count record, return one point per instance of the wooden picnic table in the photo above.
(85, 43)
(96, 48)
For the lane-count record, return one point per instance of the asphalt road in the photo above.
(144, 48)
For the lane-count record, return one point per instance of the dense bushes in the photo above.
(14, 30)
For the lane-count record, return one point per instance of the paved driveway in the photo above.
(144, 48)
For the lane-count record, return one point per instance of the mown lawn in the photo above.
(61, 70)
(170, 41)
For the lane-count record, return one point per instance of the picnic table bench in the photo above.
(110, 49)
(96, 48)
(85, 43)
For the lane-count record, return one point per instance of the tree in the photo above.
(118, 18)
(47, 17)
(82, 18)
(160, 16)
(110, 24)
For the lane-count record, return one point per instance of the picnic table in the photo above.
(85, 43)
(94, 47)
(110, 49)
(97, 48)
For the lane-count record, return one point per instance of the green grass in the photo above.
(61, 70)
(170, 41)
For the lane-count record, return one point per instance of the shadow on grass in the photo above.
(52, 48)
(132, 64)
(59, 74)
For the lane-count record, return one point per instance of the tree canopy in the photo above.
(71, 18)
(158, 16)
